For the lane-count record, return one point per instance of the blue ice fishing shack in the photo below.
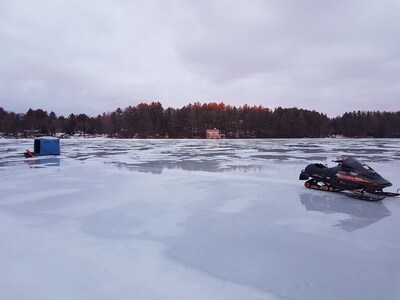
(46, 145)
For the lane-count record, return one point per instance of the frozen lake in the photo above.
(194, 219)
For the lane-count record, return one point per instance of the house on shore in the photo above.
(214, 134)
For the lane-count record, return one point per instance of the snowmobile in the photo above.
(355, 179)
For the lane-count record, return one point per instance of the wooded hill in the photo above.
(191, 121)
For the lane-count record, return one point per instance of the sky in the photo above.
(93, 56)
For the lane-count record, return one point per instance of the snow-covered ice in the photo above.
(194, 219)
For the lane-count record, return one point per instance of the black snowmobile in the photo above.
(356, 179)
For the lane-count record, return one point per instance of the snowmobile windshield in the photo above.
(353, 164)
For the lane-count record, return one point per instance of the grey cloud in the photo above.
(286, 36)
(340, 52)
(94, 56)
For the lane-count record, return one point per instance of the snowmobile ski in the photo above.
(361, 195)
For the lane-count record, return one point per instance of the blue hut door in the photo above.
(37, 146)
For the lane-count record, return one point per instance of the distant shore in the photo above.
(213, 120)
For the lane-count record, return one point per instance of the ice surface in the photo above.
(194, 219)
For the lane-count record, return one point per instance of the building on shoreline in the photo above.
(214, 134)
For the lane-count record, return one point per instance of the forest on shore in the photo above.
(151, 120)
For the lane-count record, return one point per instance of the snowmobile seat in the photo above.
(321, 170)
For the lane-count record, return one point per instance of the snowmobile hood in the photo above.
(353, 165)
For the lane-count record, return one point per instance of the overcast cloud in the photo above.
(94, 56)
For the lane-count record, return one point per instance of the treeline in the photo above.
(367, 124)
(191, 121)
